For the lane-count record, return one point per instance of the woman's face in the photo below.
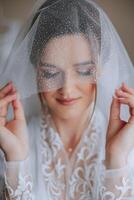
(70, 56)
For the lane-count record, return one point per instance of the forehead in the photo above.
(69, 49)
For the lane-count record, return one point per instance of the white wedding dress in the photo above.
(49, 173)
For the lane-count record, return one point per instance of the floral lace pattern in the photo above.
(125, 188)
(78, 177)
(23, 191)
(18, 180)
(69, 178)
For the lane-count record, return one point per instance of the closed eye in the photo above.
(49, 75)
(86, 71)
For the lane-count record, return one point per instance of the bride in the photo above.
(77, 145)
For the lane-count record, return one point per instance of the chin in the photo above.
(68, 115)
(68, 112)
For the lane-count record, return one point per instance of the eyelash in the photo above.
(85, 73)
(49, 75)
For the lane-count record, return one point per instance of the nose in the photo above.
(68, 86)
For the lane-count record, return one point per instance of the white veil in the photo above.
(87, 17)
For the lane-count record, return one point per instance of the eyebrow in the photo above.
(47, 65)
(77, 64)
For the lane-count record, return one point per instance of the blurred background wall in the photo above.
(15, 12)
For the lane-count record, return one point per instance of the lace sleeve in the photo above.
(18, 180)
(118, 184)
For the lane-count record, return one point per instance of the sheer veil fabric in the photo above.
(93, 22)
(49, 173)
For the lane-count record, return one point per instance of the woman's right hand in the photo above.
(13, 133)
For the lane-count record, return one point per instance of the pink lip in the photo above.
(67, 101)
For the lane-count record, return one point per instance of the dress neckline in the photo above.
(48, 123)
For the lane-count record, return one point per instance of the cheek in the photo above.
(88, 90)
(48, 96)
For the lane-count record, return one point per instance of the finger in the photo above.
(13, 88)
(131, 119)
(4, 103)
(115, 109)
(10, 90)
(125, 88)
(130, 103)
(5, 138)
(127, 101)
(2, 121)
(6, 89)
(18, 109)
(3, 110)
(120, 93)
(115, 122)
(3, 115)
(7, 99)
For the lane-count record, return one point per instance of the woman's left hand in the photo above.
(120, 134)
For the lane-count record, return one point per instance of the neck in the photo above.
(70, 130)
(67, 126)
